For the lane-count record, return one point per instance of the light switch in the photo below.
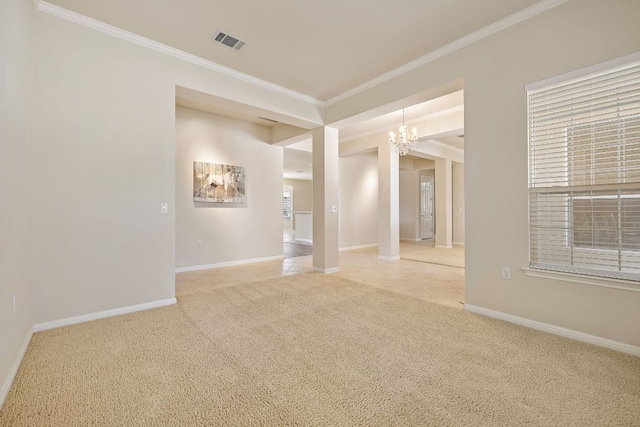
(334, 209)
(164, 208)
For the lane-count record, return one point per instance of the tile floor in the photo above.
(436, 283)
(291, 250)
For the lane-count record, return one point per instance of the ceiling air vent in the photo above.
(226, 39)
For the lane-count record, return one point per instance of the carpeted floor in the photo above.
(316, 350)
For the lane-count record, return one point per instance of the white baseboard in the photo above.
(408, 239)
(8, 381)
(352, 248)
(556, 330)
(458, 243)
(102, 314)
(226, 264)
(443, 247)
(326, 270)
(307, 241)
(389, 258)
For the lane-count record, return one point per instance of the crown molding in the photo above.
(480, 34)
(516, 18)
(85, 21)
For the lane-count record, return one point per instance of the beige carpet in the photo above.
(316, 350)
(452, 257)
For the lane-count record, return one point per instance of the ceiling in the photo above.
(317, 48)
(322, 50)
(298, 157)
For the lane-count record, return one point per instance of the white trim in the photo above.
(458, 243)
(11, 375)
(408, 239)
(94, 24)
(226, 264)
(389, 258)
(487, 31)
(444, 247)
(509, 21)
(102, 314)
(583, 72)
(352, 248)
(556, 330)
(326, 270)
(309, 241)
(605, 282)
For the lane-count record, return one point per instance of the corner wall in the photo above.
(228, 233)
(16, 173)
(104, 138)
(495, 71)
(570, 37)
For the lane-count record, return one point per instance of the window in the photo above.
(584, 173)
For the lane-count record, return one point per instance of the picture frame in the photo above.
(219, 184)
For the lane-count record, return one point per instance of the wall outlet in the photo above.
(199, 243)
(15, 300)
(506, 273)
(164, 208)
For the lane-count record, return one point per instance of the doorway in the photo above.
(426, 207)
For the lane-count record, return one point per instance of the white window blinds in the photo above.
(584, 174)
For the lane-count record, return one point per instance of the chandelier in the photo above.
(404, 143)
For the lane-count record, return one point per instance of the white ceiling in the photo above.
(297, 164)
(298, 157)
(416, 113)
(322, 49)
(317, 48)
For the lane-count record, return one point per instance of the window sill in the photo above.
(582, 279)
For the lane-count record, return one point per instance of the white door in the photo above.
(426, 207)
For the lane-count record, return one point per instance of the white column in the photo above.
(444, 204)
(325, 200)
(388, 204)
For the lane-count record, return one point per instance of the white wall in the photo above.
(495, 70)
(105, 144)
(104, 136)
(409, 205)
(358, 208)
(572, 36)
(16, 177)
(228, 233)
(458, 203)
(410, 201)
(302, 194)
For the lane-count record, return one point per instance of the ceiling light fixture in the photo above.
(404, 143)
